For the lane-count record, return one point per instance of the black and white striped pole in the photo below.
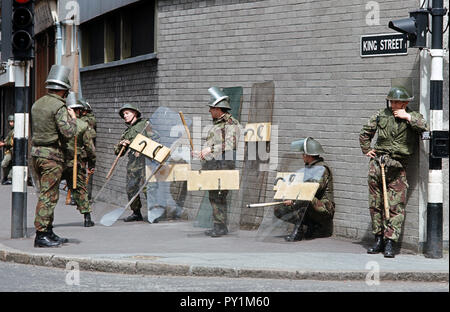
(439, 138)
(20, 162)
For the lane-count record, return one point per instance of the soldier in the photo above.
(7, 159)
(136, 161)
(88, 116)
(53, 123)
(85, 159)
(319, 213)
(219, 153)
(397, 127)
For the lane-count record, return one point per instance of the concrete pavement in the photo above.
(180, 248)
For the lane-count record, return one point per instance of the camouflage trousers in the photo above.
(218, 200)
(397, 186)
(7, 166)
(135, 179)
(80, 194)
(49, 173)
(318, 212)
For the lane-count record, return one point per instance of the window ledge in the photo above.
(131, 60)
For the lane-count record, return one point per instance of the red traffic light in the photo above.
(22, 1)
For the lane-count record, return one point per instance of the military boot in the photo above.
(378, 246)
(217, 231)
(296, 235)
(55, 237)
(87, 220)
(43, 239)
(389, 249)
(135, 216)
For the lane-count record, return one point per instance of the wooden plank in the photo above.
(146, 146)
(213, 180)
(288, 177)
(257, 132)
(297, 191)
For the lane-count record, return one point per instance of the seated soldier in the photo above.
(318, 217)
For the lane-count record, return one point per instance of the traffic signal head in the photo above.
(22, 29)
(415, 27)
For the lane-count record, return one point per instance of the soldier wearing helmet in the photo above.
(53, 125)
(8, 154)
(88, 116)
(85, 150)
(318, 217)
(397, 127)
(136, 161)
(219, 153)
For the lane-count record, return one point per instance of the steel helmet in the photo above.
(399, 94)
(86, 105)
(129, 106)
(308, 146)
(72, 101)
(58, 78)
(218, 98)
(11, 118)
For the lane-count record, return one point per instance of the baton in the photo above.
(385, 196)
(187, 129)
(264, 204)
(115, 162)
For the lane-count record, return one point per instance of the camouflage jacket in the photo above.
(9, 141)
(396, 136)
(325, 180)
(65, 127)
(85, 146)
(139, 127)
(223, 135)
(92, 122)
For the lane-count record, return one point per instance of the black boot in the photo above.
(389, 249)
(135, 216)
(296, 235)
(217, 231)
(87, 220)
(43, 240)
(378, 247)
(55, 237)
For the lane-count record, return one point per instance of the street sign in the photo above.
(384, 45)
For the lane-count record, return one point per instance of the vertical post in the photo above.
(20, 166)
(433, 247)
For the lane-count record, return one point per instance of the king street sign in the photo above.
(384, 45)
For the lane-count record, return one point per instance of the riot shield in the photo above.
(300, 187)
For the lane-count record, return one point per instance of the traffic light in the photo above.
(22, 29)
(415, 27)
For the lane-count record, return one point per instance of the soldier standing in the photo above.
(319, 213)
(219, 154)
(136, 161)
(85, 158)
(7, 159)
(397, 127)
(88, 116)
(53, 123)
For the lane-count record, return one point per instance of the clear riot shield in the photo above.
(141, 171)
(299, 186)
(166, 191)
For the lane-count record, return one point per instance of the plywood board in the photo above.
(297, 191)
(150, 148)
(257, 132)
(288, 177)
(213, 180)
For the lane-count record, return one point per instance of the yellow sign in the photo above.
(150, 148)
(207, 180)
(256, 132)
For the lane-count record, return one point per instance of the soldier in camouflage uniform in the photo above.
(8, 154)
(88, 116)
(136, 161)
(318, 217)
(85, 158)
(53, 124)
(397, 127)
(219, 154)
